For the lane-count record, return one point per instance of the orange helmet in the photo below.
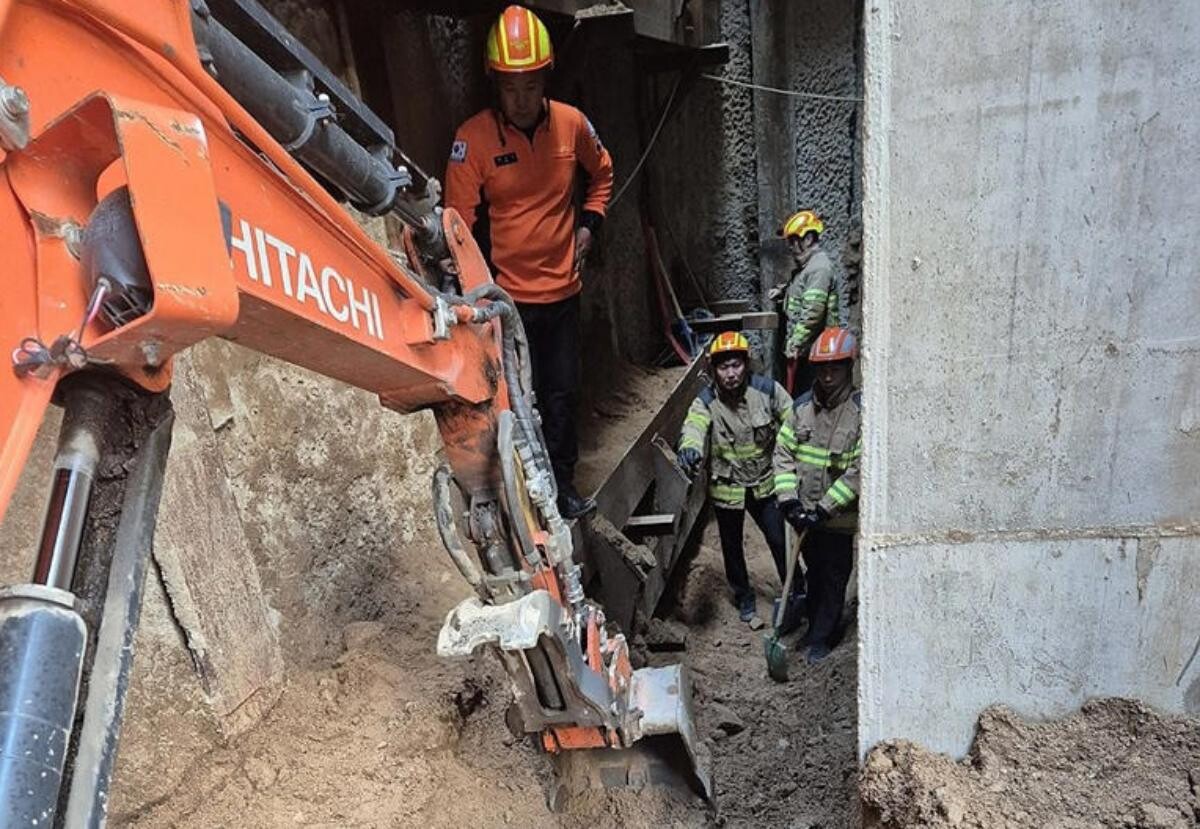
(802, 222)
(832, 345)
(519, 42)
(730, 342)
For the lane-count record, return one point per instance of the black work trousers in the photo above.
(553, 332)
(730, 524)
(829, 558)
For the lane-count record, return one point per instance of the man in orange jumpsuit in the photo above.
(512, 177)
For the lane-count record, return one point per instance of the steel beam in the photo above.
(755, 321)
(648, 497)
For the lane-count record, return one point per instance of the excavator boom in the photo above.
(172, 171)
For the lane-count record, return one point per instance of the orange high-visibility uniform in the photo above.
(528, 188)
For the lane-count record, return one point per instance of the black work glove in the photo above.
(689, 461)
(793, 513)
(798, 517)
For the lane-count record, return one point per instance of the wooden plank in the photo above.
(617, 569)
(657, 524)
(771, 50)
(756, 321)
(729, 306)
(208, 570)
(666, 59)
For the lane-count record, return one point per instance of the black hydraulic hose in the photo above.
(303, 124)
(515, 364)
(447, 528)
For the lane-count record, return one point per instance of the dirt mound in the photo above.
(389, 735)
(1115, 764)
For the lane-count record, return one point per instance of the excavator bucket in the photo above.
(664, 696)
(667, 756)
(658, 745)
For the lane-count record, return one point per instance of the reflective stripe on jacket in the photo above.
(741, 438)
(816, 298)
(817, 457)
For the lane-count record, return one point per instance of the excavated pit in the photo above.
(383, 733)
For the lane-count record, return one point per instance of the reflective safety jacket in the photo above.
(817, 458)
(741, 437)
(815, 299)
(516, 193)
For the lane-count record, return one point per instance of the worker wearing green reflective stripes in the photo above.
(816, 464)
(815, 296)
(738, 417)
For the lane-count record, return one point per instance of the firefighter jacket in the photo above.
(815, 299)
(517, 195)
(741, 438)
(817, 457)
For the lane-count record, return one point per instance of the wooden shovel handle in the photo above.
(793, 553)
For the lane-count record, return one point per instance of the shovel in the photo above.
(773, 648)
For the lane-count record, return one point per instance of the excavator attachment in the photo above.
(575, 691)
(190, 184)
(656, 743)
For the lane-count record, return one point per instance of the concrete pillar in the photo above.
(1032, 427)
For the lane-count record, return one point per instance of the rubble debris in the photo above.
(727, 720)
(1115, 763)
(665, 635)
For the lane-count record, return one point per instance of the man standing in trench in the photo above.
(738, 416)
(816, 464)
(512, 177)
(814, 297)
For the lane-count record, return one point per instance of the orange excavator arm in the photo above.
(161, 182)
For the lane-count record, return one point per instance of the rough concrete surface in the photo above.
(208, 569)
(1041, 626)
(1115, 764)
(1032, 294)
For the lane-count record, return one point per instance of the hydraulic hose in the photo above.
(444, 512)
(516, 367)
(544, 490)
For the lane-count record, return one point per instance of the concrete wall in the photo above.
(735, 162)
(1033, 391)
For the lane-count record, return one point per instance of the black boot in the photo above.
(571, 504)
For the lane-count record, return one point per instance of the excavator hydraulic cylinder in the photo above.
(42, 643)
(306, 127)
(43, 639)
(71, 485)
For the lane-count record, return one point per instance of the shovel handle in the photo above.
(793, 553)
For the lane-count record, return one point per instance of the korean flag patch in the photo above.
(592, 132)
(458, 151)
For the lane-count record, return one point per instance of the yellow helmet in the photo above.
(801, 223)
(519, 42)
(730, 342)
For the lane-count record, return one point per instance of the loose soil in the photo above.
(388, 735)
(1115, 764)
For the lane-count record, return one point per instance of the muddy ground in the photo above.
(388, 735)
(385, 734)
(1115, 764)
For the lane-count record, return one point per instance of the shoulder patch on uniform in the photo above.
(458, 151)
(802, 401)
(763, 384)
(857, 398)
(707, 394)
(592, 132)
